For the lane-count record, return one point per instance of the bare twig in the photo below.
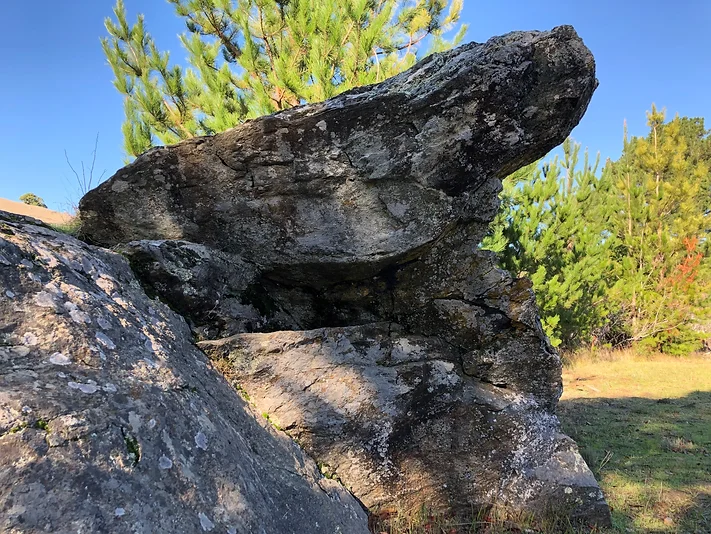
(85, 181)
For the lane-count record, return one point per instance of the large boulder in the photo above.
(327, 258)
(111, 420)
(341, 189)
(400, 421)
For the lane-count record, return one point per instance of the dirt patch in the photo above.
(43, 214)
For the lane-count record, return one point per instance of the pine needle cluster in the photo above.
(248, 58)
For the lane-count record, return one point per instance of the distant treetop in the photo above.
(33, 200)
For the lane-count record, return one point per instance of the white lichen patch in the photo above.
(206, 423)
(201, 441)
(205, 522)
(135, 421)
(380, 445)
(120, 186)
(54, 289)
(443, 374)
(59, 359)
(105, 340)
(404, 350)
(46, 255)
(80, 317)
(30, 340)
(119, 512)
(84, 388)
(152, 345)
(397, 209)
(44, 300)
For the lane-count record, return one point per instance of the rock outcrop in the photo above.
(111, 420)
(374, 177)
(327, 257)
(396, 417)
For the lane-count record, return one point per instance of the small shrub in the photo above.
(32, 200)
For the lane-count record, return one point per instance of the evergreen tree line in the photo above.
(617, 256)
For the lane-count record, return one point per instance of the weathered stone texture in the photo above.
(342, 189)
(398, 420)
(111, 420)
(328, 257)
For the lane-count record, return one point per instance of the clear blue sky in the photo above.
(56, 92)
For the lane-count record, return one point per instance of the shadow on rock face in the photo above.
(394, 416)
(327, 257)
(112, 421)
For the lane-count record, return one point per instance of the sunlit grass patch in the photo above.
(71, 227)
(627, 374)
(643, 424)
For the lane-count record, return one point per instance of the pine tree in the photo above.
(623, 257)
(660, 225)
(551, 229)
(253, 57)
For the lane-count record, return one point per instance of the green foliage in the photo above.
(133, 449)
(543, 232)
(622, 257)
(32, 200)
(253, 57)
(70, 227)
(660, 193)
(42, 424)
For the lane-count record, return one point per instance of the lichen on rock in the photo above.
(327, 258)
(100, 433)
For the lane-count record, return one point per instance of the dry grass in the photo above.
(623, 374)
(493, 521)
(43, 214)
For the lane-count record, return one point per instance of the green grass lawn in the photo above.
(644, 427)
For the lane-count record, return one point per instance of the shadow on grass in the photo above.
(651, 456)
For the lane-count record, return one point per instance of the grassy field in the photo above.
(643, 424)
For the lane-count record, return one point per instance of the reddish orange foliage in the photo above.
(689, 267)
